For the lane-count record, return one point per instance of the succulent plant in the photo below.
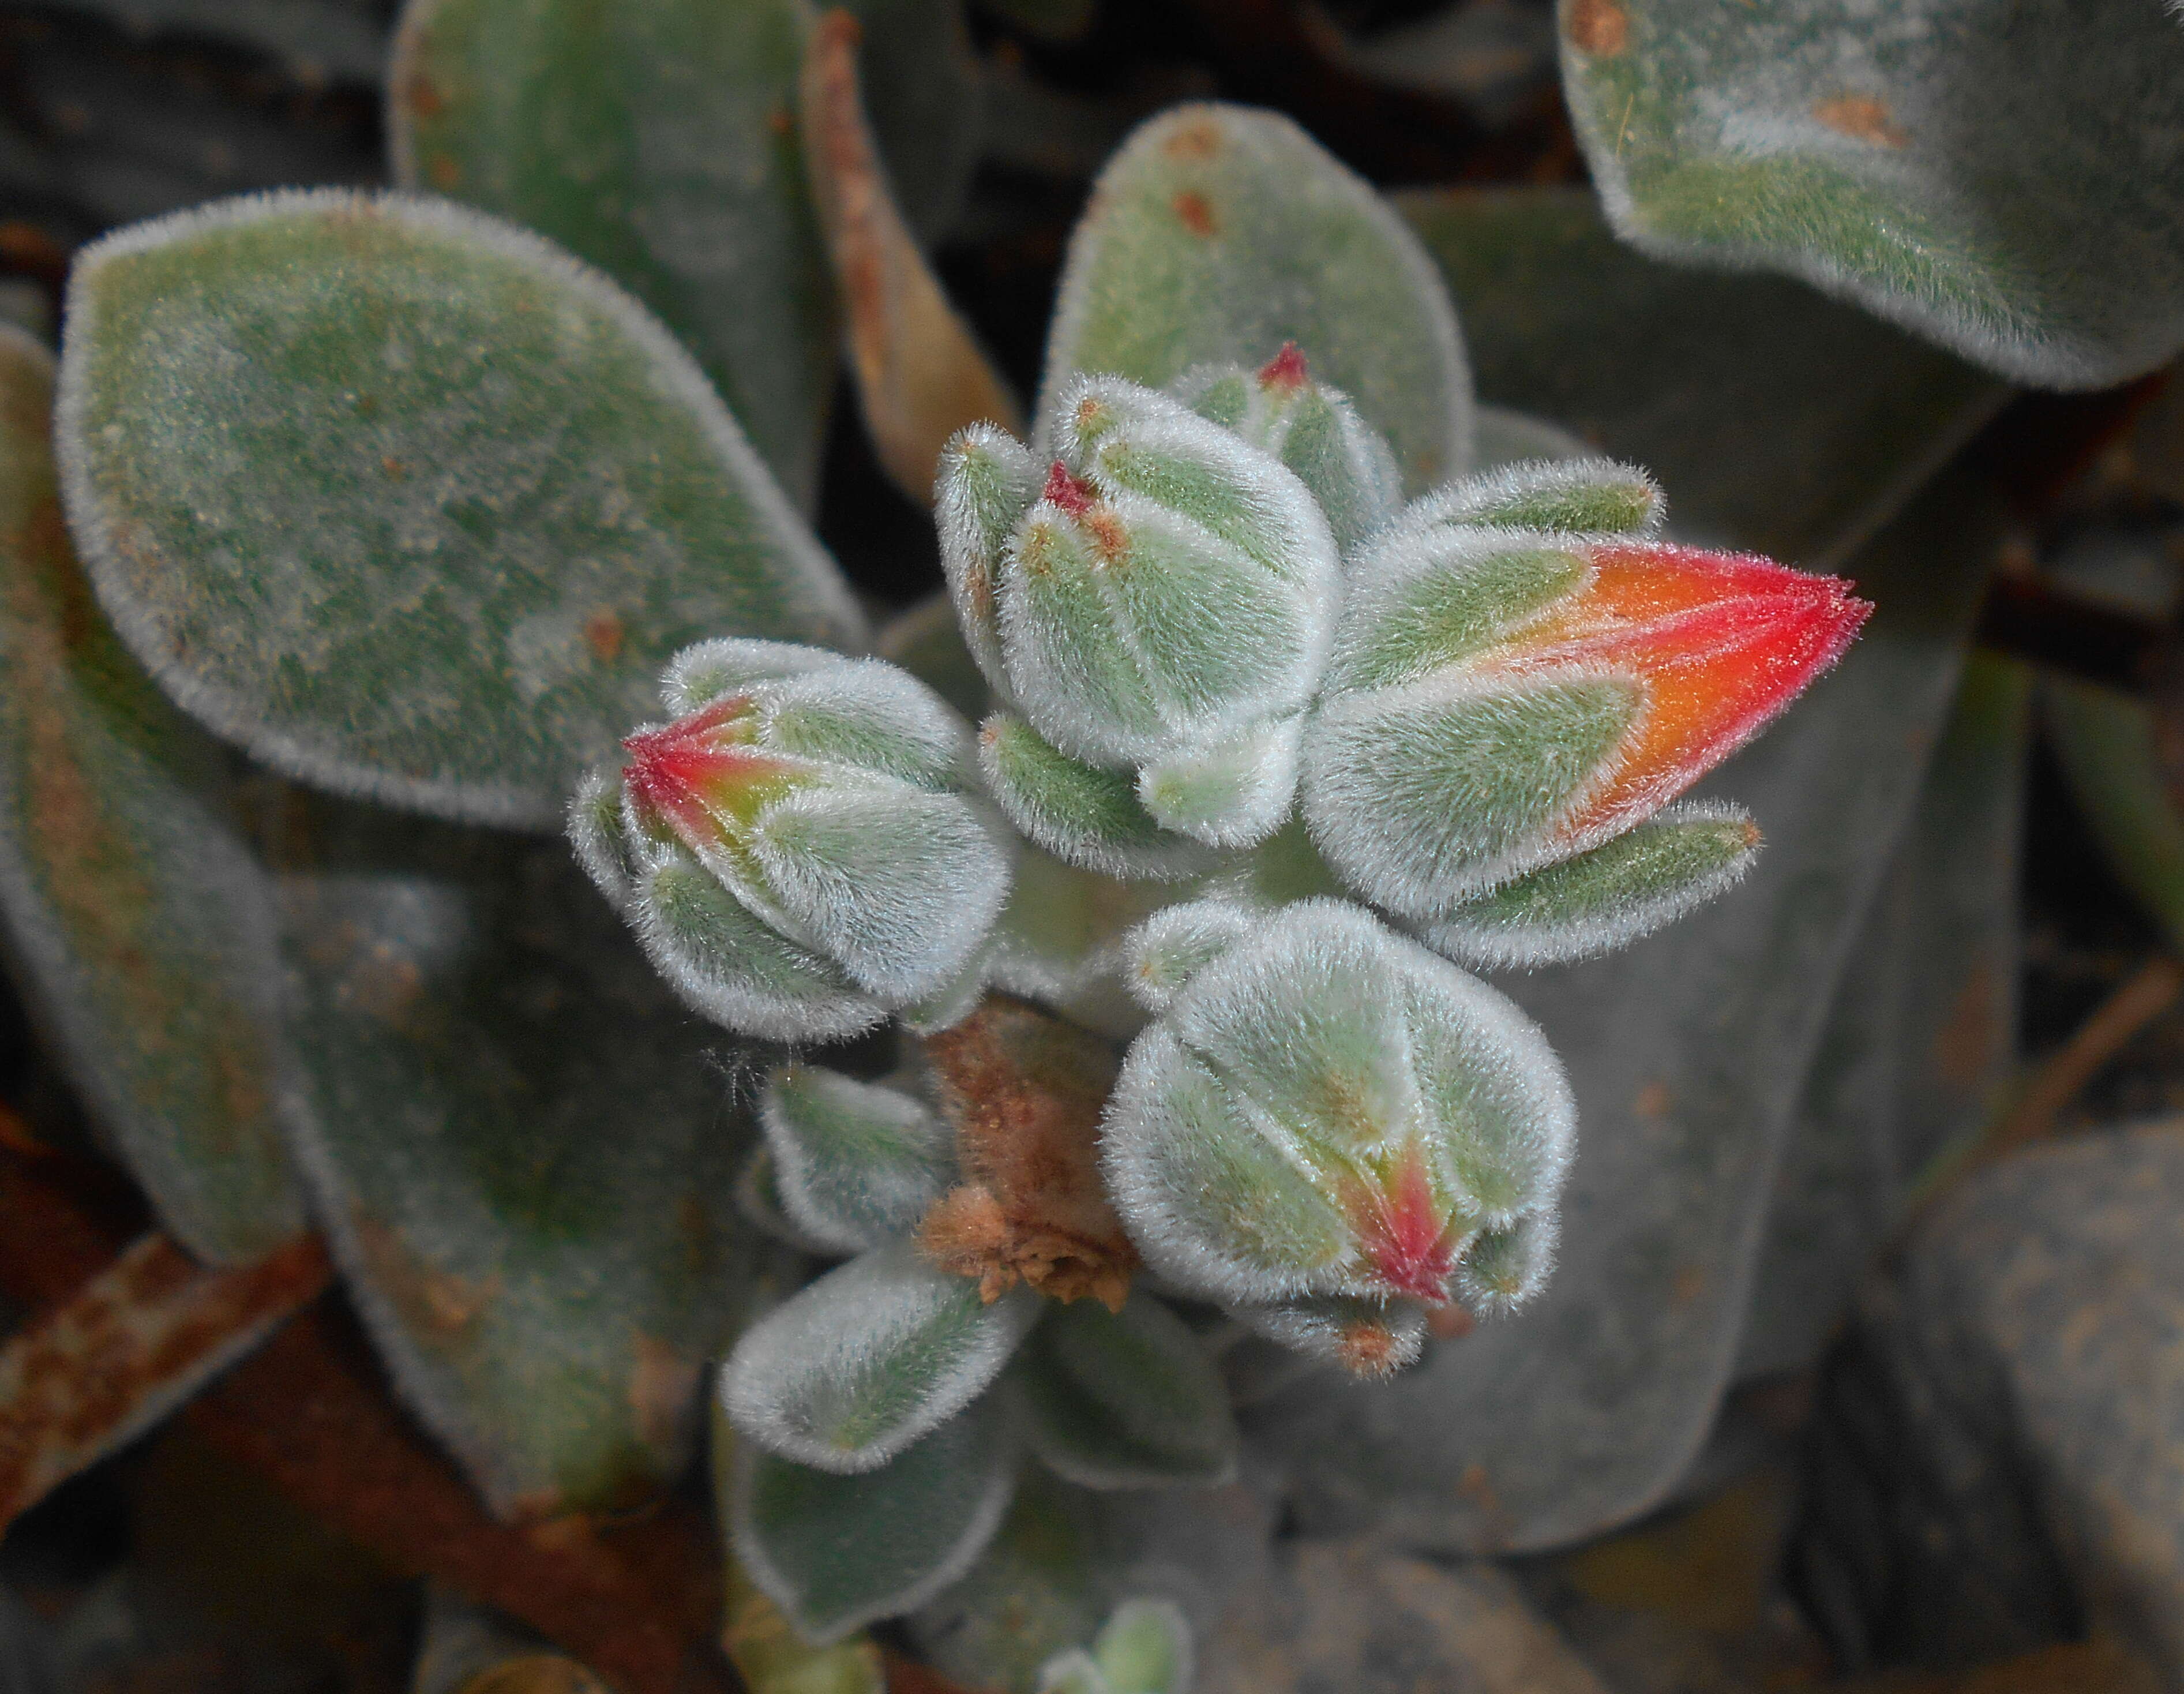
(1303, 684)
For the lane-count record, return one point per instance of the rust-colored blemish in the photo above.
(1965, 1043)
(1653, 1101)
(1025, 1091)
(1450, 1322)
(1110, 537)
(1199, 138)
(394, 469)
(1861, 117)
(445, 173)
(781, 122)
(1600, 28)
(1193, 211)
(602, 634)
(424, 96)
(431, 1302)
(662, 1386)
(1367, 1348)
(1688, 1283)
(140, 1335)
(380, 981)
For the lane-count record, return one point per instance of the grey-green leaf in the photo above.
(1775, 420)
(143, 928)
(404, 501)
(1642, 880)
(2000, 178)
(869, 1359)
(854, 1164)
(1128, 1399)
(1921, 1037)
(524, 1161)
(838, 1551)
(657, 141)
(1219, 232)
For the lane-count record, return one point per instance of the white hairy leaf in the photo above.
(855, 1164)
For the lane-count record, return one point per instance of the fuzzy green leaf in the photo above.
(1778, 422)
(869, 1359)
(837, 1551)
(1586, 496)
(657, 141)
(142, 924)
(2000, 177)
(517, 1148)
(1642, 880)
(1125, 1400)
(1145, 1648)
(1085, 815)
(856, 1164)
(405, 502)
(1217, 234)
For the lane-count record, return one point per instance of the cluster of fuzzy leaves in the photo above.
(1211, 612)
(901, 1398)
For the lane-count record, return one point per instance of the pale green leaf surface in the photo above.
(657, 141)
(2007, 178)
(854, 1164)
(837, 1551)
(1219, 232)
(137, 915)
(404, 501)
(1921, 1036)
(870, 1359)
(1127, 1399)
(1145, 1648)
(523, 1161)
(1775, 419)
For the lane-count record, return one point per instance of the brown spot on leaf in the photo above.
(432, 1302)
(1600, 28)
(424, 96)
(1025, 1091)
(1688, 1283)
(1653, 1100)
(1863, 117)
(394, 469)
(1194, 211)
(1367, 1348)
(602, 634)
(781, 122)
(445, 173)
(1199, 138)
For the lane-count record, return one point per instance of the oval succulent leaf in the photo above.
(1144, 1647)
(856, 1164)
(137, 915)
(1578, 496)
(1648, 877)
(876, 1354)
(651, 141)
(1090, 817)
(404, 500)
(1127, 1399)
(1331, 1109)
(836, 1552)
(1570, 689)
(1231, 793)
(2000, 180)
(1169, 949)
(821, 799)
(517, 1149)
(1217, 233)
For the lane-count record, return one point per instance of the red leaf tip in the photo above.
(1285, 370)
(1073, 494)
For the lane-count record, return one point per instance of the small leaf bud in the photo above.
(1081, 813)
(1328, 1109)
(1371, 1339)
(1310, 427)
(1162, 954)
(797, 850)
